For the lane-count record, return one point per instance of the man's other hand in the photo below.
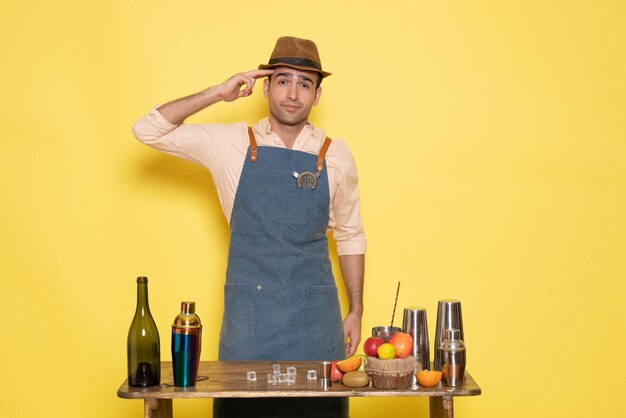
(352, 331)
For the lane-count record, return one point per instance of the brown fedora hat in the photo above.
(297, 53)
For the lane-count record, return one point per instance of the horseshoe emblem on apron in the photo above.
(306, 179)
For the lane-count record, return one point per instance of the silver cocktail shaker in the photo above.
(453, 368)
(448, 317)
(415, 324)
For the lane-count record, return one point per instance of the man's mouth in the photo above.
(291, 106)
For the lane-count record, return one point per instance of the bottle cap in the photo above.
(453, 334)
(142, 280)
(187, 319)
(188, 308)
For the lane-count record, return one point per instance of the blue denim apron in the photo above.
(280, 297)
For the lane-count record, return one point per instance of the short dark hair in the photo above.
(317, 84)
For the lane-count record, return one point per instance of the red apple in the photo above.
(403, 344)
(371, 345)
(335, 374)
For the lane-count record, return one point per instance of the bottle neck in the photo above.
(142, 300)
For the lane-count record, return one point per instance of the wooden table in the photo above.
(229, 380)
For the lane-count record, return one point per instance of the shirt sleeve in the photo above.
(201, 144)
(346, 217)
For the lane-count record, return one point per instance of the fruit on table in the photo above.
(371, 345)
(335, 373)
(403, 343)
(428, 378)
(350, 364)
(363, 361)
(356, 379)
(386, 351)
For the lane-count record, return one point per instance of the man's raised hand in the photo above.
(240, 85)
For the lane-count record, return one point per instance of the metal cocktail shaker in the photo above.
(453, 349)
(415, 324)
(448, 317)
(186, 345)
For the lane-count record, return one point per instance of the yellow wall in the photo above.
(491, 144)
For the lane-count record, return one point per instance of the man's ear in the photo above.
(266, 87)
(318, 93)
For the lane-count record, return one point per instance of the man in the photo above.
(281, 184)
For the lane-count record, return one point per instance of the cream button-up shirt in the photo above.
(221, 148)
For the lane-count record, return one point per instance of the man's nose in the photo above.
(292, 94)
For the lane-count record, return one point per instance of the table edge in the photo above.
(355, 393)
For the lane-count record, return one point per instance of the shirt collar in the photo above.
(307, 132)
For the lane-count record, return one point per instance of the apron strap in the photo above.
(320, 157)
(322, 154)
(253, 147)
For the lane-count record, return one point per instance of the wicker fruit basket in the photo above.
(391, 374)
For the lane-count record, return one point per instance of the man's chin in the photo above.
(291, 121)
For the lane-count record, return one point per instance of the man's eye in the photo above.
(305, 85)
(282, 82)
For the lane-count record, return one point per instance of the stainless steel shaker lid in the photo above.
(453, 334)
(452, 341)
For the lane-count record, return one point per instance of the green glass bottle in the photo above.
(144, 353)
